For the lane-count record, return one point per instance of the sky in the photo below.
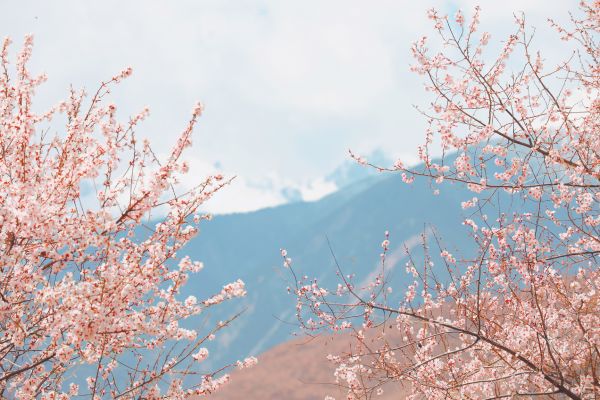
(288, 86)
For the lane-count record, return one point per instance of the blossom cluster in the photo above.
(520, 316)
(89, 278)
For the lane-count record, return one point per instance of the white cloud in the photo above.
(288, 86)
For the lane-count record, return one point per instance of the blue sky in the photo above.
(289, 86)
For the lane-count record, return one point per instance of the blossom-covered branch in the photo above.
(87, 281)
(520, 316)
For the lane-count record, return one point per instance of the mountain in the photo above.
(247, 246)
(350, 172)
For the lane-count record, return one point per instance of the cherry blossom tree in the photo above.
(89, 285)
(520, 317)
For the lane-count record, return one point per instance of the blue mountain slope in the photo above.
(354, 219)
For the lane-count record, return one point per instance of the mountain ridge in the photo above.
(352, 221)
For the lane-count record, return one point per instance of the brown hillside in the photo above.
(296, 370)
